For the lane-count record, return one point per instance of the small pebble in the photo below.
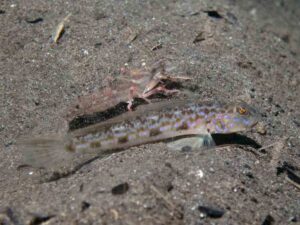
(261, 129)
(39, 218)
(98, 44)
(293, 219)
(210, 212)
(199, 173)
(84, 206)
(34, 20)
(120, 189)
(199, 37)
(269, 220)
(214, 14)
(85, 52)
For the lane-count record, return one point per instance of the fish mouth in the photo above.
(254, 124)
(254, 119)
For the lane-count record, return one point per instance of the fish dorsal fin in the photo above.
(140, 111)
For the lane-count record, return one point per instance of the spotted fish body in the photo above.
(150, 123)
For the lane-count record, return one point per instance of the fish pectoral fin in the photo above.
(208, 141)
(192, 143)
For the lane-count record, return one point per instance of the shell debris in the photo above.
(60, 29)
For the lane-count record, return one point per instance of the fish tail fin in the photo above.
(46, 152)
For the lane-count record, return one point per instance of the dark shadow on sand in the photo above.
(235, 139)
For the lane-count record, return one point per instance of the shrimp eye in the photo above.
(242, 110)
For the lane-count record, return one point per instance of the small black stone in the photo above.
(199, 37)
(211, 212)
(35, 20)
(254, 200)
(120, 189)
(39, 219)
(268, 220)
(84, 206)
(246, 166)
(98, 44)
(250, 175)
(293, 219)
(170, 187)
(214, 14)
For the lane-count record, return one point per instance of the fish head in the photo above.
(240, 117)
(233, 117)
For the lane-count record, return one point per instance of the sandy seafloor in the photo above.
(245, 50)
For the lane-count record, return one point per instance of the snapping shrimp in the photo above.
(132, 83)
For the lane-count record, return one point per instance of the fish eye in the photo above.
(242, 111)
